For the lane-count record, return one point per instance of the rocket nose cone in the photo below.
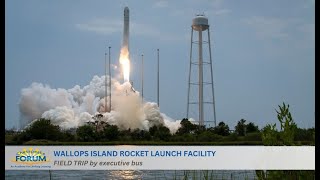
(126, 9)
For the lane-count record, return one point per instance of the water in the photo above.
(129, 174)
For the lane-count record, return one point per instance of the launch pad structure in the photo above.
(107, 85)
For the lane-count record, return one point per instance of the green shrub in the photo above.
(255, 136)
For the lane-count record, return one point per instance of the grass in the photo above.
(9, 141)
(47, 142)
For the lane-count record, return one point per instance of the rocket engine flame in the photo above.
(125, 63)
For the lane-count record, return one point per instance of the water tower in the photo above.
(197, 81)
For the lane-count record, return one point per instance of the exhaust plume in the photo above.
(70, 108)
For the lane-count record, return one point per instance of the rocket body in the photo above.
(124, 54)
(125, 41)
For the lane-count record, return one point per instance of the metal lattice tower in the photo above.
(200, 24)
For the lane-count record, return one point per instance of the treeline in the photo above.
(289, 134)
(42, 129)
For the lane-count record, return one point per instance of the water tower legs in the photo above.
(200, 24)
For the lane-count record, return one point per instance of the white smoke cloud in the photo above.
(39, 98)
(62, 116)
(76, 106)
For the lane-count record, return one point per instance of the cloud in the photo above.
(194, 7)
(101, 26)
(161, 4)
(216, 4)
(153, 32)
(106, 26)
(222, 12)
(266, 27)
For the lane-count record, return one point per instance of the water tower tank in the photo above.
(200, 23)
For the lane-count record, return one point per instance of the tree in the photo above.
(304, 134)
(67, 136)
(138, 134)
(288, 127)
(287, 124)
(270, 137)
(222, 129)
(160, 132)
(163, 133)
(21, 137)
(145, 135)
(43, 129)
(125, 135)
(208, 136)
(186, 127)
(284, 116)
(199, 129)
(251, 128)
(10, 131)
(86, 133)
(110, 132)
(153, 130)
(240, 128)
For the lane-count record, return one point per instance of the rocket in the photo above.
(124, 54)
(125, 41)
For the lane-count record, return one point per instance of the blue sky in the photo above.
(263, 52)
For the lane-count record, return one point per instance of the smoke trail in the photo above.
(76, 106)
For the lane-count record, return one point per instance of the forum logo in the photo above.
(30, 157)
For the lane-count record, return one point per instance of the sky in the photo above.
(263, 52)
